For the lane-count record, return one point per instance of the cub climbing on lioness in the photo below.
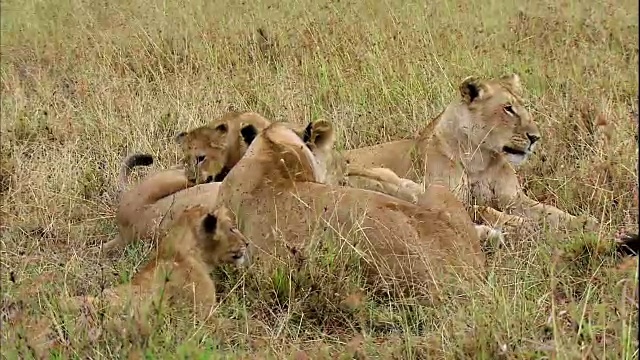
(153, 204)
(472, 148)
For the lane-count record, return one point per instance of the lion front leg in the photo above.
(551, 215)
(385, 181)
(204, 293)
(496, 218)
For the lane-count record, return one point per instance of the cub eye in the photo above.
(200, 159)
(509, 110)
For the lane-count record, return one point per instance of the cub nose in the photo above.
(533, 138)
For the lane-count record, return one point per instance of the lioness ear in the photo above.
(249, 133)
(179, 139)
(209, 223)
(471, 89)
(513, 80)
(319, 133)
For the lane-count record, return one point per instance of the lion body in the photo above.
(472, 148)
(277, 188)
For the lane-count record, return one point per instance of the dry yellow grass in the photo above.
(84, 83)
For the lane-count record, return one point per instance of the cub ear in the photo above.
(179, 139)
(513, 81)
(212, 134)
(472, 88)
(249, 133)
(209, 223)
(320, 134)
(222, 128)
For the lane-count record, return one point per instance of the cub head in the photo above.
(239, 125)
(204, 152)
(218, 239)
(498, 120)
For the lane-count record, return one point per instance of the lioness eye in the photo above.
(200, 159)
(509, 110)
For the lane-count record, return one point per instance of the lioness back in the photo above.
(278, 182)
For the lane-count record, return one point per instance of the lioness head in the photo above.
(204, 152)
(319, 137)
(217, 239)
(297, 155)
(498, 121)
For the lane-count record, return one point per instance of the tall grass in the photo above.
(84, 83)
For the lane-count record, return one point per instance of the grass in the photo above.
(85, 83)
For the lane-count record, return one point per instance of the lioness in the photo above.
(177, 274)
(277, 188)
(472, 148)
(152, 205)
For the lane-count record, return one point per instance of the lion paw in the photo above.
(584, 223)
(515, 221)
(491, 236)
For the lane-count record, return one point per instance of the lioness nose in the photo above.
(533, 138)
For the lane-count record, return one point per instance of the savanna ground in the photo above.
(85, 83)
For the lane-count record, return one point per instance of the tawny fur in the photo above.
(150, 207)
(472, 148)
(177, 275)
(277, 188)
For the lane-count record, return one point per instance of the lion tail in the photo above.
(128, 164)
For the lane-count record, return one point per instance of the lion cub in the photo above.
(208, 153)
(177, 275)
(198, 241)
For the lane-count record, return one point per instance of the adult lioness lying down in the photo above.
(472, 148)
(276, 189)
